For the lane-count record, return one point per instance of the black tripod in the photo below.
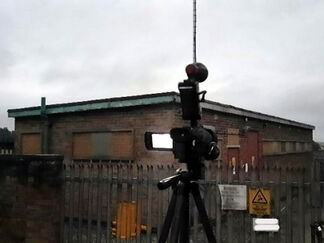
(191, 145)
(178, 210)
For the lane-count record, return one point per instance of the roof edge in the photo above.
(120, 102)
(147, 99)
(215, 106)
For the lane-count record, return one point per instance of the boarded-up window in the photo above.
(82, 146)
(294, 147)
(291, 147)
(233, 138)
(103, 145)
(271, 147)
(308, 147)
(280, 147)
(31, 143)
(300, 147)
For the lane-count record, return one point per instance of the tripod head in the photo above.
(173, 180)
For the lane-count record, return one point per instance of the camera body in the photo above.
(193, 143)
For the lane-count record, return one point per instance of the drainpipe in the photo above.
(44, 127)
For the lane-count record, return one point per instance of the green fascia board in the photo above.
(142, 100)
(13, 113)
(99, 105)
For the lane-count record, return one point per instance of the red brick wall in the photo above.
(30, 200)
(266, 130)
(139, 120)
(159, 119)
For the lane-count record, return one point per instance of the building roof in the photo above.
(143, 100)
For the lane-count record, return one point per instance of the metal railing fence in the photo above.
(119, 202)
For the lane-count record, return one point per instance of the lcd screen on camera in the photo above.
(161, 141)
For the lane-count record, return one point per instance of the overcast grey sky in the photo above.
(266, 56)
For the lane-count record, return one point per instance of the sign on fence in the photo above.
(259, 201)
(233, 197)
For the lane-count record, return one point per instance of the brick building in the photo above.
(113, 129)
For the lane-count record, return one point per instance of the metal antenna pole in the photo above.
(194, 30)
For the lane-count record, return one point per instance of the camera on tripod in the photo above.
(192, 144)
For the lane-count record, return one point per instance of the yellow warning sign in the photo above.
(259, 201)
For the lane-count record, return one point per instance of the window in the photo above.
(233, 139)
(291, 147)
(272, 147)
(300, 147)
(103, 145)
(31, 143)
(294, 146)
(283, 147)
(308, 147)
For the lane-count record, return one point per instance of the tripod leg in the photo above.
(184, 233)
(168, 218)
(180, 210)
(202, 213)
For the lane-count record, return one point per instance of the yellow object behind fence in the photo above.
(125, 225)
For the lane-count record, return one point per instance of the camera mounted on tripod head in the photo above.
(195, 143)
(191, 145)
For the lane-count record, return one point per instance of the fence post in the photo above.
(218, 210)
